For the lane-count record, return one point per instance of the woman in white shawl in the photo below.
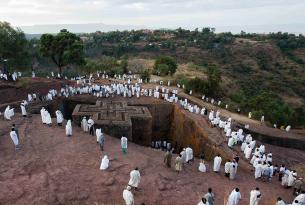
(104, 163)
(59, 117)
(14, 138)
(85, 124)
(8, 113)
(69, 128)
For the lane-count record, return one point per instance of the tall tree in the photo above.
(13, 46)
(65, 48)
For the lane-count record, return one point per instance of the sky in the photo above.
(154, 13)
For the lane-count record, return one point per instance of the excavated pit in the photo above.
(143, 121)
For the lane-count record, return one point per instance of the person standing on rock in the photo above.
(14, 138)
(210, 196)
(124, 142)
(91, 126)
(168, 158)
(178, 163)
(217, 163)
(135, 178)
(128, 196)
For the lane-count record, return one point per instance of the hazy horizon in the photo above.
(261, 15)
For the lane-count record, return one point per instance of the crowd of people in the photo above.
(260, 159)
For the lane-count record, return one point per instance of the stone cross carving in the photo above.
(118, 119)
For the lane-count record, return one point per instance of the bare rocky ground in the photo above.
(51, 168)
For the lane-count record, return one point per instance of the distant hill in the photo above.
(77, 28)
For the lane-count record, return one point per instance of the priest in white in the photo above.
(69, 128)
(234, 197)
(104, 163)
(128, 196)
(217, 163)
(135, 178)
(189, 154)
(255, 196)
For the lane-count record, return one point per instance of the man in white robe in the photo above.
(234, 197)
(255, 196)
(183, 155)
(59, 117)
(14, 138)
(48, 118)
(217, 163)
(124, 142)
(104, 163)
(300, 198)
(69, 128)
(128, 196)
(135, 178)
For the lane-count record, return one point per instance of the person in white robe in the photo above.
(255, 196)
(232, 170)
(227, 168)
(258, 170)
(135, 178)
(217, 163)
(128, 196)
(234, 197)
(104, 163)
(59, 117)
(23, 110)
(8, 113)
(124, 142)
(248, 151)
(42, 113)
(189, 154)
(183, 155)
(14, 138)
(291, 178)
(231, 142)
(202, 167)
(69, 128)
(84, 124)
(300, 198)
(48, 118)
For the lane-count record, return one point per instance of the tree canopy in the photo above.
(165, 65)
(13, 46)
(63, 49)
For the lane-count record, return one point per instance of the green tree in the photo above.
(64, 48)
(214, 78)
(145, 75)
(165, 65)
(13, 46)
